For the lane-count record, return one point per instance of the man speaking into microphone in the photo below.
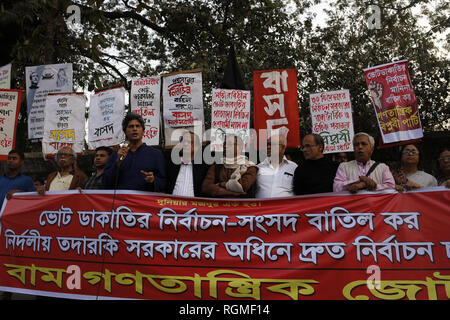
(135, 166)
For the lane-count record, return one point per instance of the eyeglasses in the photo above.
(411, 152)
(447, 158)
(307, 146)
(60, 155)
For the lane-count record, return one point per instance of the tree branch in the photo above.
(133, 16)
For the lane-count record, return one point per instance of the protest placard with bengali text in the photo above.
(9, 112)
(275, 104)
(145, 100)
(182, 99)
(5, 77)
(230, 113)
(331, 115)
(64, 123)
(106, 112)
(40, 81)
(394, 102)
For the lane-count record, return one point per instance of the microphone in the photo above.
(123, 145)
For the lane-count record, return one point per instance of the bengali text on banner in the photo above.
(143, 245)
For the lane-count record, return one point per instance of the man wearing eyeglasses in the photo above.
(276, 173)
(68, 176)
(316, 173)
(363, 173)
(13, 180)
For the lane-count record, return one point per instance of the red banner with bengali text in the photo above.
(275, 104)
(139, 245)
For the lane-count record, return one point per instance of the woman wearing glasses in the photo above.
(408, 176)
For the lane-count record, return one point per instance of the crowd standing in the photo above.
(136, 166)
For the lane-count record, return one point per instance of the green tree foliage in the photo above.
(341, 50)
(119, 39)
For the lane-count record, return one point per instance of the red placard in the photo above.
(394, 102)
(10, 101)
(154, 246)
(276, 103)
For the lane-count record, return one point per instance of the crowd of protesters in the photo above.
(136, 166)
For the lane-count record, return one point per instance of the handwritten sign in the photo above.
(331, 114)
(106, 113)
(5, 77)
(40, 81)
(230, 113)
(64, 122)
(9, 112)
(145, 100)
(394, 101)
(182, 99)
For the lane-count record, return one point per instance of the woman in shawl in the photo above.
(236, 177)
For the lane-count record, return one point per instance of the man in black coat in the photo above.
(184, 175)
(316, 174)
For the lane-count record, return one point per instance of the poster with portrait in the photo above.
(64, 123)
(182, 99)
(394, 102)
(145, 100)
(230, 113)
(40, 81)
(9, 111)
(331, 115)
(106, 112)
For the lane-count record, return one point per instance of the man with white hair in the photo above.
(363, 173)
(68, 176)
(276, 173)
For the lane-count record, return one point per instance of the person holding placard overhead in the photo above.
(135, 166)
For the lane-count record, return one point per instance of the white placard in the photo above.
(5, 77)
(182, 99)
(331, 114)
(230, 113)
(40, 81)
(106, 112)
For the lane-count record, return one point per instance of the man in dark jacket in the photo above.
(135, 166)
